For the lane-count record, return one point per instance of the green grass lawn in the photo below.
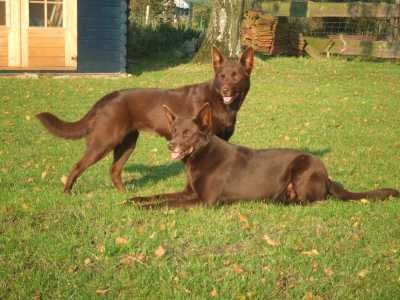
(90, 245)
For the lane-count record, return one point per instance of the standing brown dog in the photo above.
(221, 172)
(114, 122)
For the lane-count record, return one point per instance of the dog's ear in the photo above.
(204, 117)
(169, 115)
(217, 58)
(247, 60)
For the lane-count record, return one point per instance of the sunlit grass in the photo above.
(56, 246)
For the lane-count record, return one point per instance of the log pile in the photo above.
(270, 35)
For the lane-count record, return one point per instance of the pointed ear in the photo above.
(247, 59)
(169, 115)
(204, 117)
(217, 58)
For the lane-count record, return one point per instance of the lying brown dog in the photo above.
(114, 122)
(222, 172)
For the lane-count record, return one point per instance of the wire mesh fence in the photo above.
(366, 28)
(359, 19)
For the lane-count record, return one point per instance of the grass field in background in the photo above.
(90, 245)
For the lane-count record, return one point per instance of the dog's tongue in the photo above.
(227, 100)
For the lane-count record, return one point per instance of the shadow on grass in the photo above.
(153, 174)
(317, 152)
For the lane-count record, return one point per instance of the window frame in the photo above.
(7, 12)
(45, 4)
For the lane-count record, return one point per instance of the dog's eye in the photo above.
(222, 75)
(234, 75)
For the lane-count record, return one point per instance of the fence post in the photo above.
(146, 22)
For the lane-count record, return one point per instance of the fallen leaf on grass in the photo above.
(355, 237)
(87, 261)
(37, 296)
(311, 296)
(328, 272)
(160, 251)
(266, 268)
(314, 266)
(243, 221)
(64, 179)
(237, 269)
(270, 241)
(101, 248)
(318, 229)
(121, 241)
(242, 218)
(73, 269)
(214, 293)
(362, 273)
(102, 291)
(44, 174)
(129, 259)
(313, 252)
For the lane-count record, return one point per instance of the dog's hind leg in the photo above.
(121, 154)
(311, 186)
(92, 155)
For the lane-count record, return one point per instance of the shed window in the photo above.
(45, 13)
(2, 12)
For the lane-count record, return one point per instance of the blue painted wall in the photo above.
(102, 30)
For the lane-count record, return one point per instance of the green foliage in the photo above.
(146, 41)
(54, 246)
(138, 10)
(162, 35)
(201, 16)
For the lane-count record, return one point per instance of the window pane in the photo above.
(54, 15)
(36, 14)
(2, 13)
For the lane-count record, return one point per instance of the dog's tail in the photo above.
(339, 192)
(63, 129)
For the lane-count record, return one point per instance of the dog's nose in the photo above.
(225, 90)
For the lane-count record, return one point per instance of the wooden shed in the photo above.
(63, 35)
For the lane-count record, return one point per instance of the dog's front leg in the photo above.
(181, 199)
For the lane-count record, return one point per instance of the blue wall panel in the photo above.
(102, 28)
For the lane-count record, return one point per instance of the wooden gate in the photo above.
(38, 34)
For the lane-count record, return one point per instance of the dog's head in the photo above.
(188, 135)
(232, 76)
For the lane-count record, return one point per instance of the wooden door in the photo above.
(3, 33)
(42, 34)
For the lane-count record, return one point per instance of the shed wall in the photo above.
(102, 30)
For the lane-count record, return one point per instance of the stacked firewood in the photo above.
(270, 35)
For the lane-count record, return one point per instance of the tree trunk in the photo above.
(223, 30)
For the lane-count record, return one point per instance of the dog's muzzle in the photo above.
(177, 153)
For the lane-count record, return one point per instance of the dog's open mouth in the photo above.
(228, 99)
(179, 153)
